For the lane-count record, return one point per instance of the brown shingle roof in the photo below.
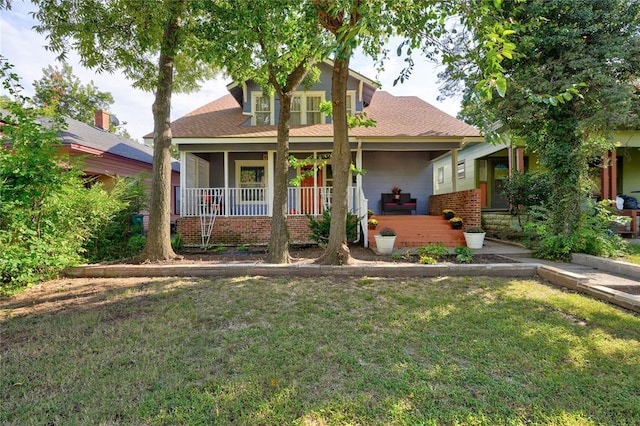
(396, 117)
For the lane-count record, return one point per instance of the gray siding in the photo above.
(411, 171)
(324, 85)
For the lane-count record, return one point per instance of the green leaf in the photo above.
(501, 85)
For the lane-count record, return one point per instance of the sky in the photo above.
(25, 50)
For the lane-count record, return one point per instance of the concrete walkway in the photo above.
(602, 278)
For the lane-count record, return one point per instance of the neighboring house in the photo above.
(107, 156)
(228, 147)
(486, 166)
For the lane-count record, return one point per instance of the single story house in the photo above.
(228, 147)
(486, 166)
(106, 155)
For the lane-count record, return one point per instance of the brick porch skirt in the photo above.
(242, 230)
(466, 204)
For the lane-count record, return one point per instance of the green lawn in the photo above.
(266, 351)
(633, 255)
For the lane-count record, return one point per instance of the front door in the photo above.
(499, 174)
(310, 199)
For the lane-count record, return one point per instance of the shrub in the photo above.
(387, 232)
(463, 254)
(474, 230)
(436, 251)
(427, 260)
(119, 237)
(320, 227)
(176, 242)
(46, 213)
(594, 235)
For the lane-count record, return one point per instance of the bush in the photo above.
(118, 237)
(594, 235)
(320, 227)
(46, 213)
(463, 254)
(435, 251)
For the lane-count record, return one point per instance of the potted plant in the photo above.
(372, 222)
(369, 212)
(474, 237)
(396, 192)
(456, 222)
(448, 214)
(385, 240)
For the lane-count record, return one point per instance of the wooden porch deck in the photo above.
(418, 230)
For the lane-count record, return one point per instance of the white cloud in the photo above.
(24, 48)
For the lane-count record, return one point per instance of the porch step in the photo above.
(416, 231)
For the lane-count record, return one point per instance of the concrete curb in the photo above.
(610, 295)
(303, 270)
(608, 265)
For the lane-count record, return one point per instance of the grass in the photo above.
(633, 253)
(266, 351)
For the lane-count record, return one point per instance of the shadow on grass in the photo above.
(281, 351)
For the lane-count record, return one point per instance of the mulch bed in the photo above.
(308, 254)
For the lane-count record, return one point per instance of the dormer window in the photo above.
(314, 116)
(351, 102)
(305, 108)
(262, 109)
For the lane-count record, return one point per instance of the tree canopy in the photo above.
(152, 42)
(273, 43)
(572, 81)
(60, 91)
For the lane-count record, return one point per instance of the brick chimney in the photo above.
(102, 119)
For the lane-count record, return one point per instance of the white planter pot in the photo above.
(384, 244)
(474, 239)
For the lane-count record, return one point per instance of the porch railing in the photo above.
(258, 201)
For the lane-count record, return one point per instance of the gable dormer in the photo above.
(262, 109)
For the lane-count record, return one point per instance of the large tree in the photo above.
(152, 43)
(571, 83)
(60, 91)
(273, 43)
(350, 22)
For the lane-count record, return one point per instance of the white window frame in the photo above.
(352, 107)
(441, 174)
(252, 163)
(258, 94)
(303, 105)
(461, 169)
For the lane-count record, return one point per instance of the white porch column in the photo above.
(362, 206)
(226, 184)
(454, 170)
(317, 198)
(359, 166)
(183, 179)
(271, 173)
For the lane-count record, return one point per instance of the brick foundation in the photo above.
(466, 204)
(242, 230)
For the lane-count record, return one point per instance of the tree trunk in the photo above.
(279, 241)
(158, 245)
(337, 251)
